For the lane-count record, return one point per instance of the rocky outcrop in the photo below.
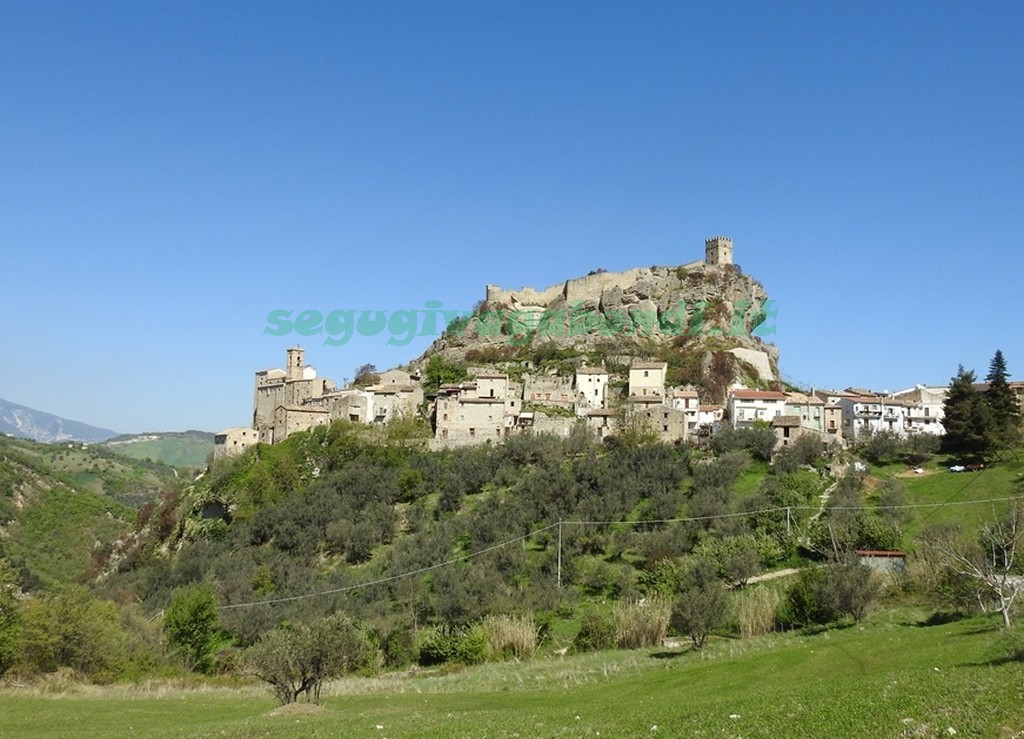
(706, 308)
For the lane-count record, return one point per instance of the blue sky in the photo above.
(170, 173)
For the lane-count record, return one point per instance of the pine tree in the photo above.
(968, 419)
(1006, 418)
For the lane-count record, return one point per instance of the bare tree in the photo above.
(992, 563)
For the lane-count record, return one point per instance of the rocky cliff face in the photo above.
(687, 313)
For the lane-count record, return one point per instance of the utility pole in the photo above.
(559, 555)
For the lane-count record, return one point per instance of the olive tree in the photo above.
(297, 659)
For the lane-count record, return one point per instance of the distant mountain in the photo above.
(175, 448)
(28, 423)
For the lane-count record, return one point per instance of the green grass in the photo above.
(960, 496)
(889, 677)
(751, 478)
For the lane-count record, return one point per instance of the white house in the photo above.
(868, 414)
(688, 402)
(591, 388)
(925, 408)
(748, 406)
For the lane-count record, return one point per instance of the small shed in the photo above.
(884, 560)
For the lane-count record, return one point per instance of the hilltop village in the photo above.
(491, 405)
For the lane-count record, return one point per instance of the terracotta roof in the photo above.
(758, 395)
(796, 398)
(591, 371)
(648, 365)
(491, 376)
(880, 553)
(686, 394)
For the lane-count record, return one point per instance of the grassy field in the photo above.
(955, 497)
(889, 677)
(180, 450)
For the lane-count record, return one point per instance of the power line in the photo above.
(559, 524)
(391, 578)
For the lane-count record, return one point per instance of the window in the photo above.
(472, 432)
(646, 373)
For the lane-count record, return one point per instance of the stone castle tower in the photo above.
(296, 361)
(717, 251)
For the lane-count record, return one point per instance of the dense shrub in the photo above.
(461, 645)
(597, 631)
(822, 595)
(191, 626)
(70, 629)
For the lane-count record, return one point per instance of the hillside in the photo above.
(176, 449)
(27, 423)
(95, 468)
(53, 520)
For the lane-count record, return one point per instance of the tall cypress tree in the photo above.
(1006, 417)
(967, 419)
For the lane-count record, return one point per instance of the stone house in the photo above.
(808, 408)
(290, 387)
(474, 412)
(389, 401)
(233, 441)
(603, 422)
(790, 428)
(549, 390)
(288, 419)
(396, 377)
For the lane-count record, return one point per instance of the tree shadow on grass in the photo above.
(939, 618)
(681, 652)
(815, 629)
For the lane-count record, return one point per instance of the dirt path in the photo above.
(773, 575)
(824, 500)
